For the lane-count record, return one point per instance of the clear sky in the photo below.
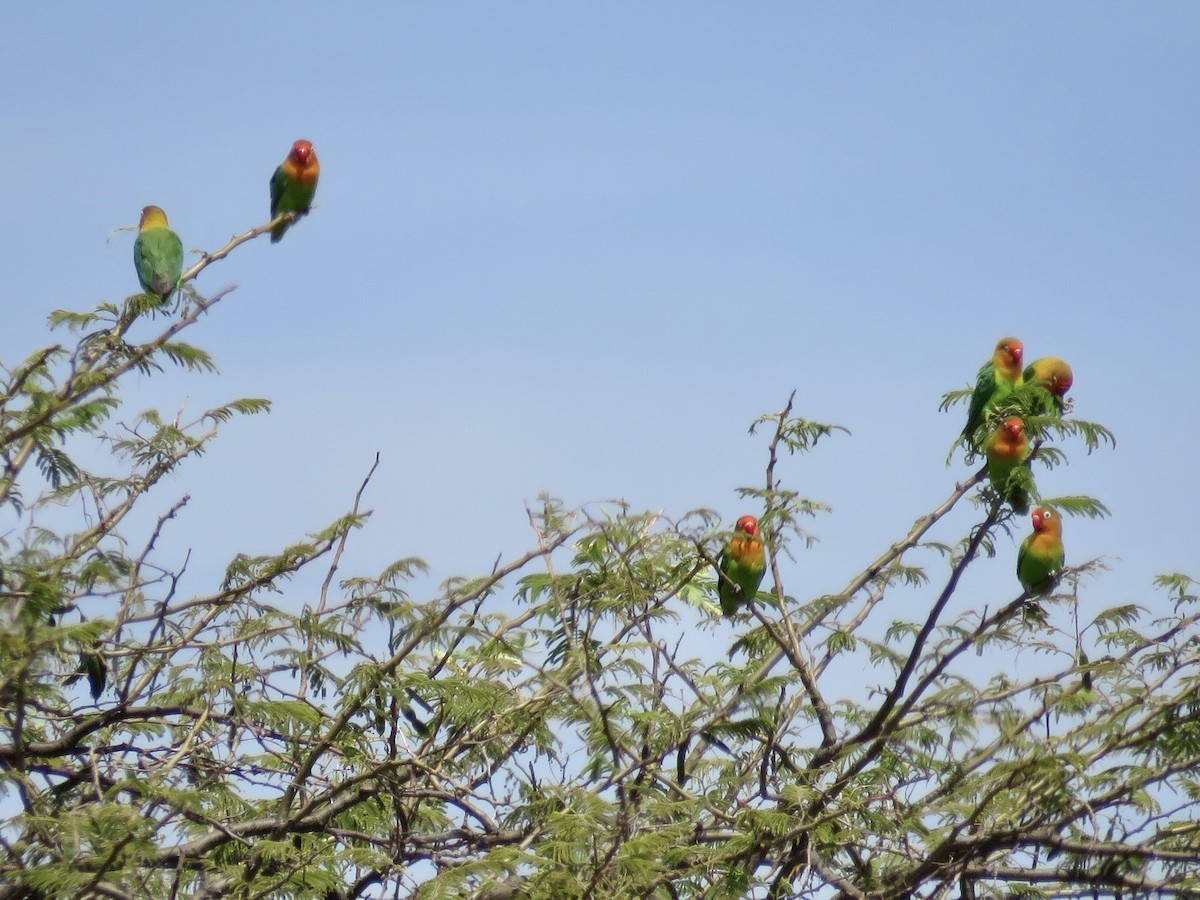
(579, 248)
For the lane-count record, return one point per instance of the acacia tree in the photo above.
(542, 730)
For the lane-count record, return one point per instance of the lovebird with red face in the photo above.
(998, 378)
(1007, 448)
(1056, 377)
(741, 566)
(293, 185)
(1041, 554)
(157, 254)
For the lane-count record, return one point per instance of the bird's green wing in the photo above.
(985, 388)
(278, 184)
(1021, 554)
(158, 257)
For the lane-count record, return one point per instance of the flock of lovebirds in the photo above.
(158, 252)
(994, 426)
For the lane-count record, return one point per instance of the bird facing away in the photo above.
(1056, 377)
(293, 185)
(1007, 448)
(741, 566)
(157, 254)
(1041, 554)
(998, 378)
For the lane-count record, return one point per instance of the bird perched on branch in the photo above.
(996, 380)
(157, 253)
(1007, 448)
(1041, 555)
(293, 185)
(741, 566)
(1056, 377)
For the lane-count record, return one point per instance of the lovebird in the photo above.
(293, 185)
(1056, 377)
(741, 566)
(1007, 448)
(157, 253)
(996, 380)
(1041, 554)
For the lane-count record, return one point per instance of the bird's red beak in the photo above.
(1037, 520)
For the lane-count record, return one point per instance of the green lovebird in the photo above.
(1056, 377)
(996, 380)
(293, 185)
(741, 566)
(157, 253)
(1041, 554)
(1006, 449)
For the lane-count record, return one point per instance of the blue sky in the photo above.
(578, 249)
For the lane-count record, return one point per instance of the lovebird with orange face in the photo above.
(741, 566)
(157, 254)
(1056, 377)
(996, 380)
(1007, 448)
(293, 185)
(1041, 554)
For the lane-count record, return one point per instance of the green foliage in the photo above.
(795, 434)
(1087, 507)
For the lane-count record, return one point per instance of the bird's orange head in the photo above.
(1046, 521)
(748, 525)
(1010, 349)
(152, 217)
(1059, 378)
(1015, 426)
(302, 153)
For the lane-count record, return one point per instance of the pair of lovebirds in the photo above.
(158, 252)
(743, 562)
